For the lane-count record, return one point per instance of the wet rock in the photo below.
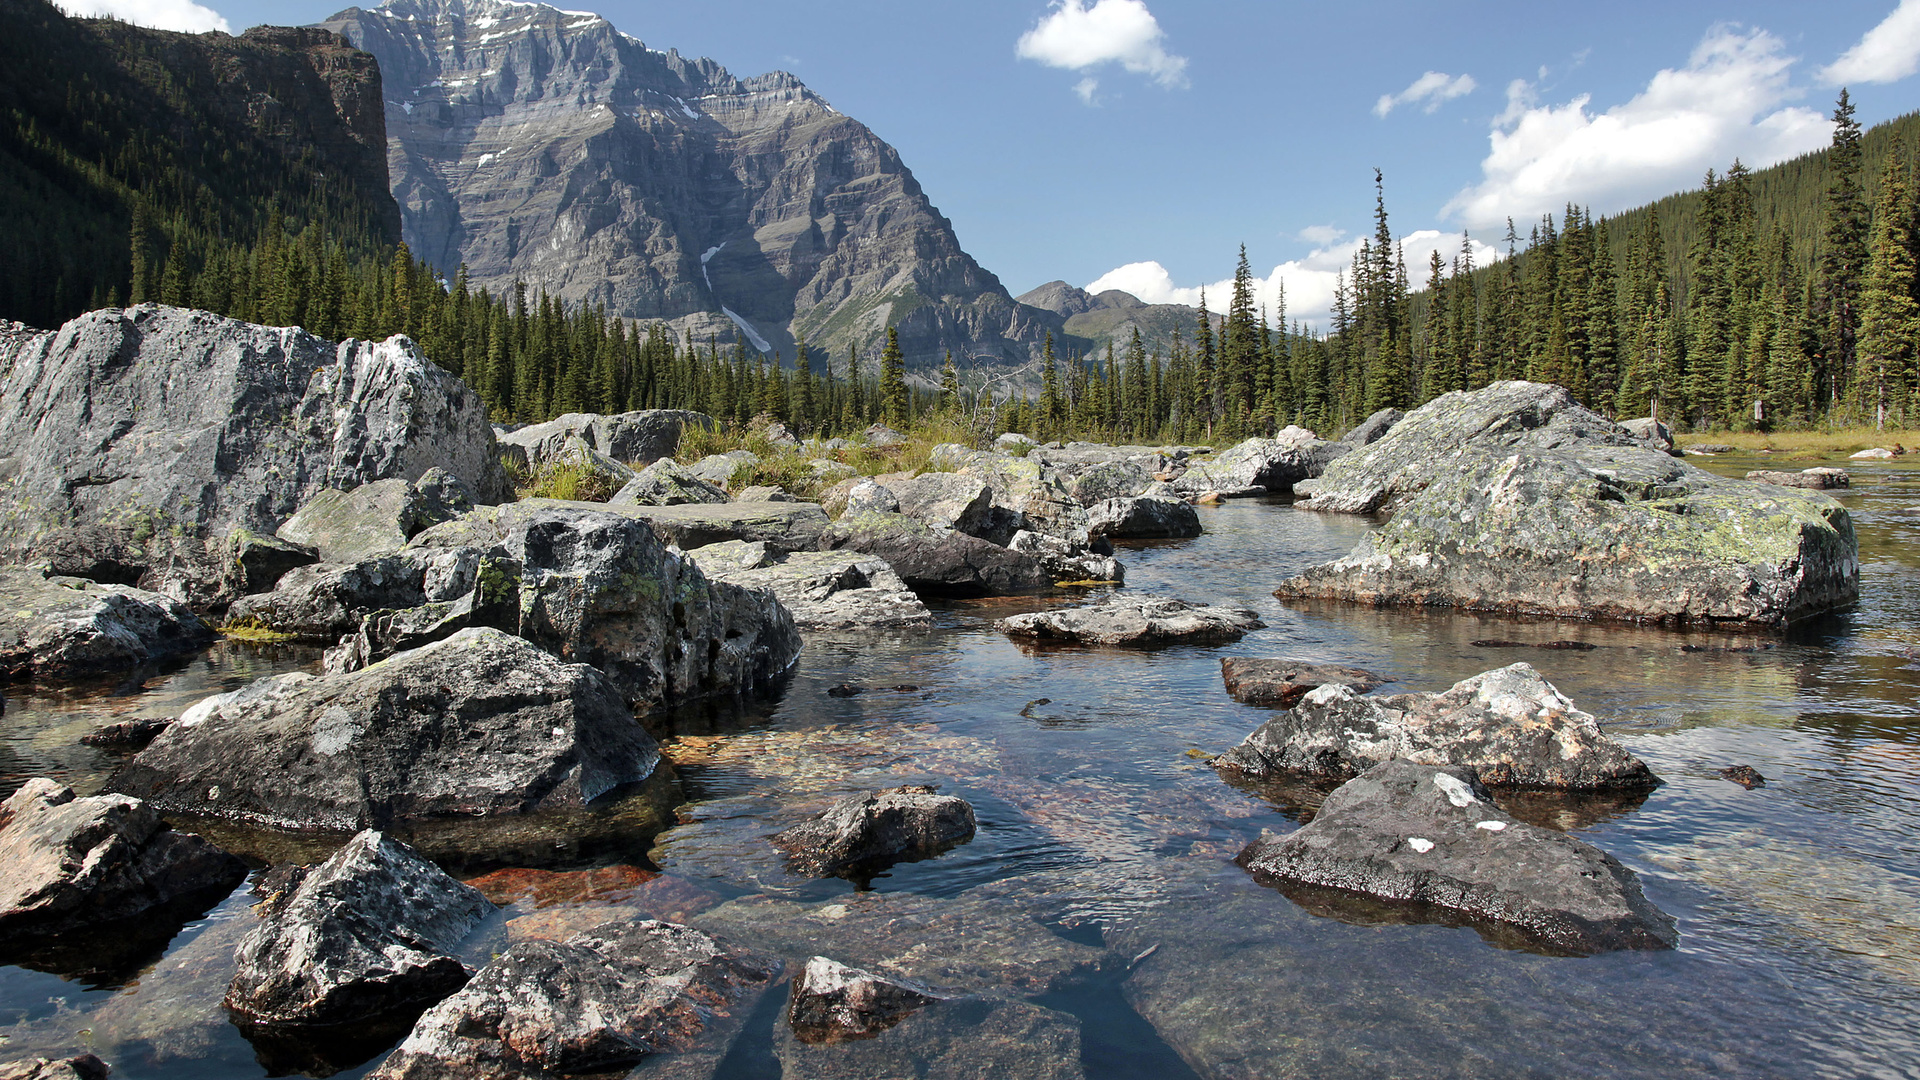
(845, 690)
(75, 863)
(1373, 428)
(1745, 775)
(1145, 621)
(259, 562)
(601, 1000)
(947, 501)
(1063, 560)
(1284, 682)
(1429, 837)
(1516, 499)
(366, 934)
(127, 734)
(825, 590)
(831, 1002)
(482, 724)
(1819, 479)
(1272, 464)
(637, 438)
(863, 834)
(95, 433)
(667, 483)
(1652, 432)
(954, 1040)
(63, 628)
(1509, 724)
(1147, 517)
(938, 562)
(84, 1067)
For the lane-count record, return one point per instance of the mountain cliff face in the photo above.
(1091, 321)
(545, 146)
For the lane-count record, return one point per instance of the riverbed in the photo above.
(1798, 902)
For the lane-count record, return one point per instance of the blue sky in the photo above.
(1138, 143)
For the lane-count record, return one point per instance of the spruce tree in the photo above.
(1843, 256)
(893, 382)
(1889, 316)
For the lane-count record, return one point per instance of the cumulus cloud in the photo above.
(183, 15)
(1887, 53)
(1308, 282)
(1436, 88)
(1078, 36)
(1728, 101)
(1088, 89)
(1321, 235)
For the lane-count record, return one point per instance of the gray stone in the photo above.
(937, 562)
(1873, 453)
(946, 501)
(825, 590)
(1652, 432)
(634, 438)
(368, 933)
(1011, 440)
(84, 1067)
(861, 835)
(325, 600)
(868, 497)
(1067, 560)
(1284, 682)
(1369, 431)
(1028, 493)
(374, 519)
(64, 628)
(1146, 621)
(1274, 464)
(1818, 479)
(95, 433)
(882, 437)
(953, 1040)
(1113, 480)
(831, 1002)
(1509, 724)
(1145, 517)
(259, 562)
(720, 469)
(767, 494)
(74, 864)
(1429, 837)
(667, 483)
(482, 724)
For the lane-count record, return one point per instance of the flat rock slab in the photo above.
(65, 628)
(951, 1040)
(1509, 723)
(825, 590)
(1134, 620)
(1430, 838)
(483, 724)
(787, 526)
(1252, 681)
(376, 518)
(1821, 479)
(862, 835)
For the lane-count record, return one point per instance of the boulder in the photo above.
(1819, 479)
(1369, 431)
(938, 562)
(763, 493)
(1284, 682)
(375, 519)
(720, 469)
(259, 562)
(96, 434)
(861, 835)
(868, 497)
(825, 590)
(667, 483)
(1270, 464)
(1143, 518)
(1429, 837)
(1008, 441)
(365, 935)
(1509, 724)
(1652, 432)
(64, 628)
(1710, 448)
(600, 1000)
(1070, 561)
(1028, 493)
(632, 438)
(1113, 480)
(481, 724)
(1515, 499)
(882, 437)
(1144, 621)
(84, 1067)
(1875, 453)
(75, 863)
(325, 600)
(946, 501)
(831, 1002)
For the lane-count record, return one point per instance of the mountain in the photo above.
(545, 146)
(206, 135)
(1090, 322)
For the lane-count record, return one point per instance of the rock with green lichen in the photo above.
(62, 627)
(825, 590)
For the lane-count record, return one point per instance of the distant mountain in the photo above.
(545, 146)
(1089, 322)
(210, 135)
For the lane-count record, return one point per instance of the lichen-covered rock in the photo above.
(868, 497)
(1145, 621)
(74, 863)
(1284, 682)
(825, 590)
(1143, 518)
(946, 501)
(938, 562)
(863, 834)
(600, 1000)
(1509, 724)
(632, 438)
(482, 724)
(95, 433)
(322, 601)
(831, 1002)
(1430, 838)
(667, 483)
(788, 526)
(63, 628)
(1028, 493)
(721, 469)
(366, 934)
(1373, 428)
(374, 519)
(1269, 464)
(1650, 431)
(1818, 479)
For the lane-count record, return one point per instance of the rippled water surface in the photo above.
(1798, 903)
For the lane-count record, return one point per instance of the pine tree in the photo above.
(1843, 257)
(893, 382)
(1889, 316)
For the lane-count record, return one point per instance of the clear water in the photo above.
(1798, 903)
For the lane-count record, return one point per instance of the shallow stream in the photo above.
(1798, 903)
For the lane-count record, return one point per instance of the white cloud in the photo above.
(1087, 88)
(183, 15)
(1436, 88)
(1077, 37)
(1309, 281)
(1321, 235)
(1887, 53)
(1729, 101)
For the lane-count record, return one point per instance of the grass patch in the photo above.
(252, 629)
(572, 481)
(1842, 441)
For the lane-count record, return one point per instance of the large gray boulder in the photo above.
(945, 501)
(1515, 499)
(1070, 561)
(369, 933)
(1146, 517)
(1509, 724)
(600, 1000)
(1274, 464)
(1028, 493)
(632, 438)
(322, 601)
(63, 628)
(1429, 838)
(786, 525)
(825, 590)
(937, 562)
(377, 518)
(74, 863)
(480, 725)
(97, 439)
(721, 469)
(667, 483)
(1143, 621)
(861, 835)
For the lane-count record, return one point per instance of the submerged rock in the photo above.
(1745, 775)
(863, 834)
(600, 1000)
(84, 1067)
(949, 1040)
(1515, 499)
(127, 734)
(825, 590)
(64, 628)
(1509, 724)
(74, 863)
(1134, 620)
(831, 1002)
(1284, 682)
(1429, 837)
(367, 934)
(480, 725)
